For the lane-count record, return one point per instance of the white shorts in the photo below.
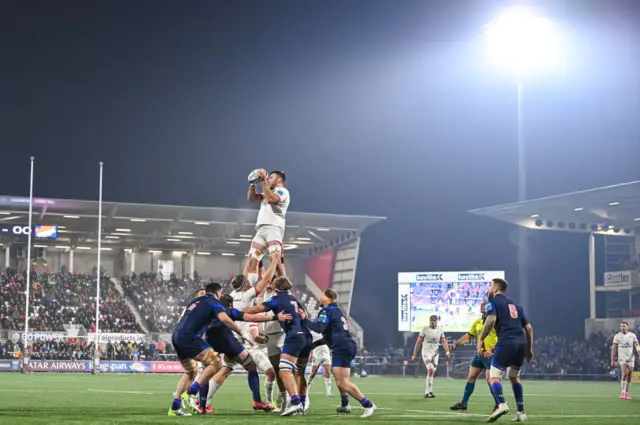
(321, 355)
(260, 358)
(275, 343)
(431, 358)
(268, 233)
(631, 363)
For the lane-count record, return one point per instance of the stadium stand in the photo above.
(63, 298)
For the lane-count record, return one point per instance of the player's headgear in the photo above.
(280, 174)
(238, 281)
(282, 284)
(213, 288)
(226, 300)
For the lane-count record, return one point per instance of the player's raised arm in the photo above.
(268, 275)
(268, 194)
(228, 322)
(253, 195)
(269, 305)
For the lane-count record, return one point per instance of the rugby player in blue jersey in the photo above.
(297, 344)
(515, 344)
(334, 326)
(191, 348)
(224, 342)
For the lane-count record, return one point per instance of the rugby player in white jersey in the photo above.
(320, 357)
(623, 343)
(431, 337)
(274, 202)
(245, 296)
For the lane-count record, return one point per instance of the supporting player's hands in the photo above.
(247, 336)
(261, 339)
(282, 317)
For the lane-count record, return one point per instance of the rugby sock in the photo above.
(517, 392)
(295, 400)
(254, 385)
(268, 388)
(204, 392)
(365, 402)
(213, 389)
(627, 386)
(344, 400)
(468, 390)
(177, 404)
(496, 387)
(303, 399)
(429, 384)
(623, 385)
(327, 385)
(495, 400)
(193, 390)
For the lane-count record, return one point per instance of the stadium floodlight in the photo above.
(71, 216)
(524, 42)
(228, 254)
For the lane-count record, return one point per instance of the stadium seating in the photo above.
(62, 298)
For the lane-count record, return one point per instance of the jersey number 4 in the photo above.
(513, 311)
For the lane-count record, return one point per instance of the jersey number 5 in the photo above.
(513, 311)
(345, 323)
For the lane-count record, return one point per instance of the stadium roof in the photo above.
(610, 210)
(171, 227)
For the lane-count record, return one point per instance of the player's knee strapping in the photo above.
(513, 372)
(248, 362)
(209, 358)
(494, 372)
(431, 367)
(256, 254)
(190, 366)
(301, 364)
(275, 248)
(286, 365)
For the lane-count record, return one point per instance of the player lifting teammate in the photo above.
(430, 337)
(334, 326)
(191, 348)
(515, 344)
(623, 343)
(297, 344)
(274, 202)
(478, 363)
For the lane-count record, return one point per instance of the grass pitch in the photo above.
(145, 399)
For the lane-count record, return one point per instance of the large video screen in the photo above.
(454, 297)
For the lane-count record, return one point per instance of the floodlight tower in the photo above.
(524, 43)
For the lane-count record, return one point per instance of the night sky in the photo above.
(371, 107)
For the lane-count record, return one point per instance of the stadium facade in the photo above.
(611, 217)
(321, 250)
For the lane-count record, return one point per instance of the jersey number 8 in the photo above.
(513, 311)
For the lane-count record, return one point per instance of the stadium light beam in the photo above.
(26, 309)
(524, 43)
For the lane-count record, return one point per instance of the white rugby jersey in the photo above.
(273, 327)
(241, 301)
(274, 214)
(432, 338)
(315, 336)
(625, 342)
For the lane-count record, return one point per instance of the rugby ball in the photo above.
(254, 176)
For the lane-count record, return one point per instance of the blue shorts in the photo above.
(480, 362)
(224, 342)
(343, 355)
(188, 347)
(297, 345)
(509, 355)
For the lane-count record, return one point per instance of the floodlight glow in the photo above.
(523, 42)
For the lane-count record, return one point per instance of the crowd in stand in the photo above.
(62, 298)
(559, 355)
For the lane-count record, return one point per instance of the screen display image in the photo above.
(48, 232)
(454, 297)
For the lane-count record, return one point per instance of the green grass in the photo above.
(145, 399)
